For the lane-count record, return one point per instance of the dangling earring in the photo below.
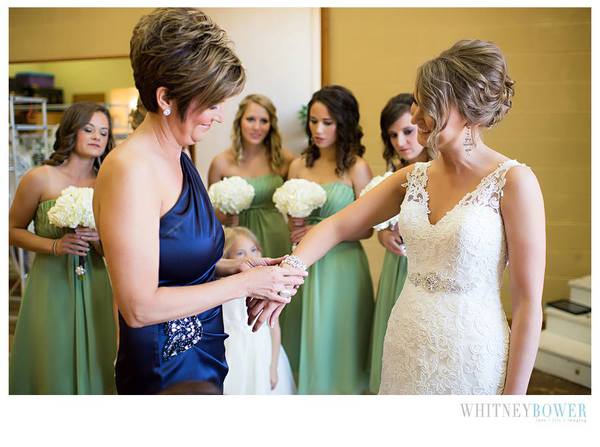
(167, 111)
(468, 143)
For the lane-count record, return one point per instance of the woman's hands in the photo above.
(392, 241)
(74, 244)
(298, 228)
(228, 220)
(274, 283)
(261, 311)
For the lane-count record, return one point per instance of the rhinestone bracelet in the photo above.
(294, 261)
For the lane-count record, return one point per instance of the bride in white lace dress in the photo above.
(463, 216)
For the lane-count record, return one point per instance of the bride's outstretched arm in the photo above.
(378, 205)
(525, 227)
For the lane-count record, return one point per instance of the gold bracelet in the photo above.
(54, 247)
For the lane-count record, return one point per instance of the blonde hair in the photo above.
(472, 76)
(232, 233)
(183, 50)
(273, 139)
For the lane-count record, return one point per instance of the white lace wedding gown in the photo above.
(447, 333)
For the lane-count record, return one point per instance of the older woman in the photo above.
(463, 216)
(256, 153)
(65, 335)
(162, 240)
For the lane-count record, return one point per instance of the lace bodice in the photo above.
(467, 245)
(447, 333)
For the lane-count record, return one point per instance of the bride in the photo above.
(463, 216)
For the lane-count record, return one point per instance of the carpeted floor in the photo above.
(542, 383)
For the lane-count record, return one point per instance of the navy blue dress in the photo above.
(155, 357)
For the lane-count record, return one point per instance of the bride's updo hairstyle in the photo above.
(471, 75)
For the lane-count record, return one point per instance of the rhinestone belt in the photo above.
(435, 282)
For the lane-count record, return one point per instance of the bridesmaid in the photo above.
(65, 340)
(401, 149)
(257, 155)
(337, 298)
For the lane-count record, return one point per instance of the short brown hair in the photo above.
(73, 120)
(183, 50)
(471, 75)
(272, 140)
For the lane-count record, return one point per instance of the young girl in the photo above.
(257, 362)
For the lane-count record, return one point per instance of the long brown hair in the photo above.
(343, 107)
(73, 120)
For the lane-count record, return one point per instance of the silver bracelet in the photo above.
(294, 261)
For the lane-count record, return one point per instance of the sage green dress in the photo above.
(263, 219)
(337, 312)
(65, 339)
(391, 281)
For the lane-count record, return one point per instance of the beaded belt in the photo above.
(435, 282)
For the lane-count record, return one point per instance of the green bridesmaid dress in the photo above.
(337, 312)
(65, 340)
(391, 281)
(263, 219)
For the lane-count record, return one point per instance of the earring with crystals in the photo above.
(167, 111)
(468, 142)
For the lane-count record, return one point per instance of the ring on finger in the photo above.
(285, 294)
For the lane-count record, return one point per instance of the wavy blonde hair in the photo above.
(472, 76)
(273, 139)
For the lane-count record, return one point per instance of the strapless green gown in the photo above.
(263, 219)
(337, 312)
(391, 281)
(65, 340)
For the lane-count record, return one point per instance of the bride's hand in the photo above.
(262, 311)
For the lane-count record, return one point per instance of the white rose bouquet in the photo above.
(299, 197)
(232, 195)
(73, 209)
(372, 184)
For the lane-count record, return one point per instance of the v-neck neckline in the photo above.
(462, 199)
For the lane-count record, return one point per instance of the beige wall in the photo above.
(287, 69)
(375, 52)
(50, 34)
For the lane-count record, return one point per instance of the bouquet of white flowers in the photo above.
(299, 197)
(231, 195)
(372, 184)
(73, 209)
